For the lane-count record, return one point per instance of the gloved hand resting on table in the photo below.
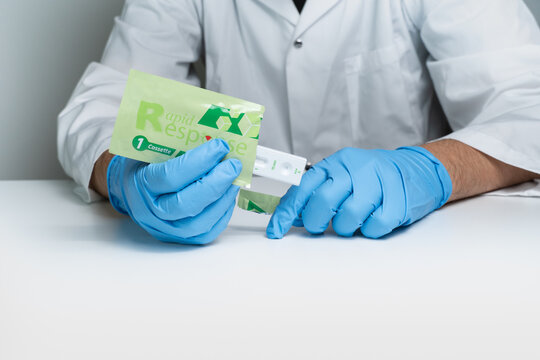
(187, 200)
(375, 191)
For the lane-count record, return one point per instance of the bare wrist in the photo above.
(98, 181)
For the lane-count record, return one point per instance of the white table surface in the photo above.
(80, 281)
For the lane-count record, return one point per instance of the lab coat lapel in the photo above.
(312, 12)
(285, 8)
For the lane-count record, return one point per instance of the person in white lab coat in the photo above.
(453, 84)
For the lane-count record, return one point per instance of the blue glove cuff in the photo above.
(444, 177)
(114, 186)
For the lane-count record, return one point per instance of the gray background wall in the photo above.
(535, 8)
(45, 46)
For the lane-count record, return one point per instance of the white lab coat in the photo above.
(362, 73)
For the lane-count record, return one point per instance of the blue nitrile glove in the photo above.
(187, 200)
(375, 191)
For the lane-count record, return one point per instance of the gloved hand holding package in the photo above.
(198, 143)
(187, 200)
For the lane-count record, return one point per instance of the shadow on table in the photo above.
(120, 233)
(247, 228)
(131, 235)
(106, 225)
(328, 234)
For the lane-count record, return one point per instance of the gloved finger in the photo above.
(326, 200)
(207, 219)
(365, 198)
(294, 201)
(202, 239)
(211, 235)
(194, 198)
(175, 174)
(298, 222)
(391, 213)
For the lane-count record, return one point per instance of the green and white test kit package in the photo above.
(160, 119)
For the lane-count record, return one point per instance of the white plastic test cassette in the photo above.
(277, 165)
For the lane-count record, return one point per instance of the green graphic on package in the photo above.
(160, 119)
(257, 202)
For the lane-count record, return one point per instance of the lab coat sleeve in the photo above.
(161, 37)
(485, 65)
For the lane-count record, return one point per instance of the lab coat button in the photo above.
(298, 43)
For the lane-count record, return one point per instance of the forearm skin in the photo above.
(473, 172)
